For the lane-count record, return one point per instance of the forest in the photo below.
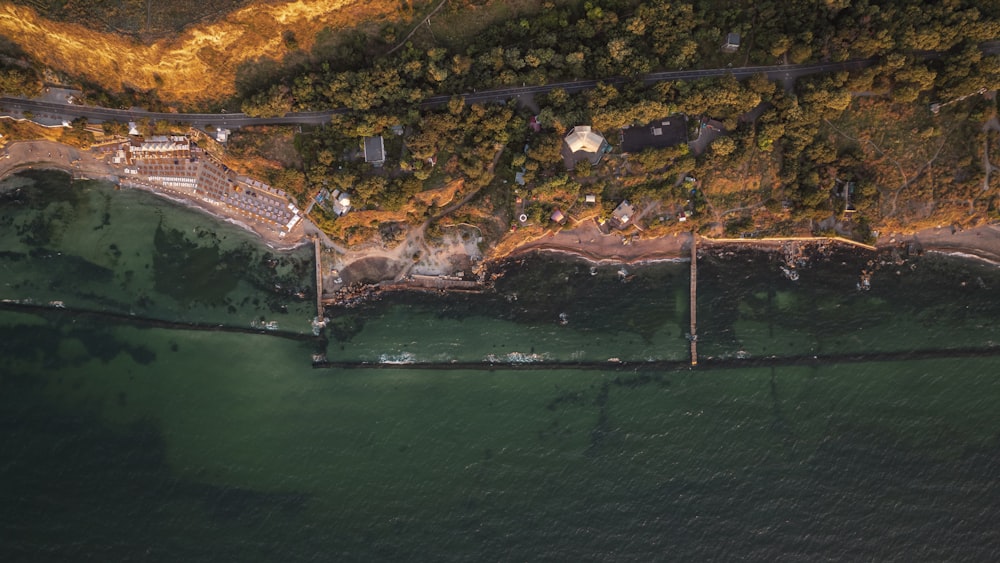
(609, 38)
(785, 149)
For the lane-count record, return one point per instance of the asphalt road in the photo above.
(223, 120)
(236, 120)
(776, 72)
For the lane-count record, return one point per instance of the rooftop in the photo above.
(583, 143)
(623, 213)
(375, 150)
(732, 43)
(662, 133)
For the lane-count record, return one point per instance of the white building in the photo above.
(583, 143)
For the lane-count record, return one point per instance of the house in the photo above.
(622, 214)
(557, 216)
(590, 198)
(375, 150)
(583, 143)
(662, 133)
(222, 135)
(732, 43)
(341, 203)
(534, 124)
(159, 146)
(133, 129)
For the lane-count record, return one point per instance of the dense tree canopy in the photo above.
(919, 54)
(604, 38)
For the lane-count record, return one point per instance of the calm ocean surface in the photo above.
(125, 439)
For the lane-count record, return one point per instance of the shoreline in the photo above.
(197, 206)
(82, 164)
(966, 256)
(584, 241)
(980, 243)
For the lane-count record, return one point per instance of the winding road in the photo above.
(66, 111)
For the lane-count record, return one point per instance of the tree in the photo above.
(114, 128)
(760, 84)
(723, 146)
(19, 82)
(161, 127)
(456, 105)
(369, 190)
(436, 73)
(274, 102)
(799, 53)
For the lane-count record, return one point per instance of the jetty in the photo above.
(417, 281)
(694, 300)
(319, 279)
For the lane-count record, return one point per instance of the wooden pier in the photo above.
(694, 300)
(319, 279)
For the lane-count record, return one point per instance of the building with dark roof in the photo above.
(375, 150)
(662, 133)
(732, 43)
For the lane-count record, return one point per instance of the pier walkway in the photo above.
(694, 299)
(319, 279)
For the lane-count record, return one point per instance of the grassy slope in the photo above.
(180, 67)
(144, 17)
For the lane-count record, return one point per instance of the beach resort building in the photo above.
(175, 165)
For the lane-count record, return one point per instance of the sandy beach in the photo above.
(586, 241)
(90, 164)
(39, 155)
(982, 242)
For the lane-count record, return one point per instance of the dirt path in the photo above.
(414, 251)
(426, 20)
(878, 149)
(992, 125)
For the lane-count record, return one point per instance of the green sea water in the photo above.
(125, 440)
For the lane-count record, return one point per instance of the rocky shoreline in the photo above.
(981, 243)
(456, 263)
